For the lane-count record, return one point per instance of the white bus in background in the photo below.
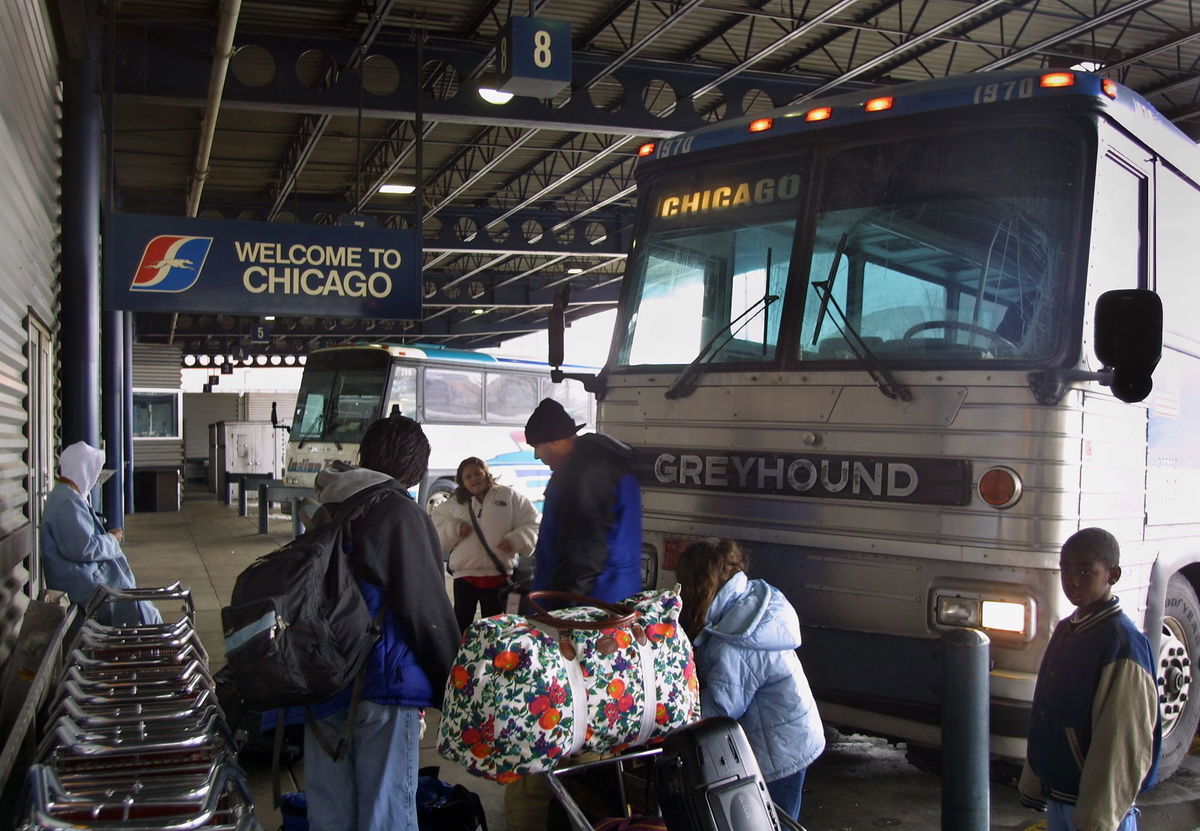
(898, 344)
(468, 403)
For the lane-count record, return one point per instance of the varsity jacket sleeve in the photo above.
(1030, 789)
(1124, 711)
(523, 535)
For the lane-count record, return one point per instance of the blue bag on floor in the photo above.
(293, 807)
(445, 807)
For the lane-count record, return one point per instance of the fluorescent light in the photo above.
(574, 270)
(494, 96)
(477, 311)
(268, 317)
(402, 190)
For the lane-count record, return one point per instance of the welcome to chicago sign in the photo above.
(178, 264)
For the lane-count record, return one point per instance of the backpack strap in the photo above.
(347, 511)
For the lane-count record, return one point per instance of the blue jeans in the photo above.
(786, 793)
(373, 787)
(1060, 816)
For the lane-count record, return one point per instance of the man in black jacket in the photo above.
(590, 541)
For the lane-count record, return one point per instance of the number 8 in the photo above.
(541, 49)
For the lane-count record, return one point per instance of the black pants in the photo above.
(465, 598)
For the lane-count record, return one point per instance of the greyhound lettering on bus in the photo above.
(927, 481)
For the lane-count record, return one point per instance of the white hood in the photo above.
(81, 463)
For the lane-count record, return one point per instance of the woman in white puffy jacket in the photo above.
(506, 518)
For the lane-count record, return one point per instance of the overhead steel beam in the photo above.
(890, 54)
(1085, 25)
(313, 127)
(156, 67)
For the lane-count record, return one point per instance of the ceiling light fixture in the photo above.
(495, 96)
(398, 190)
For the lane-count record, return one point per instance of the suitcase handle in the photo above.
(619, 616)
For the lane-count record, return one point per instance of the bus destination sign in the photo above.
(824, 476)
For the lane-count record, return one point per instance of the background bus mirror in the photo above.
(558, 326)
(1128, 337)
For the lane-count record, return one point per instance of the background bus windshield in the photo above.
(931, 250)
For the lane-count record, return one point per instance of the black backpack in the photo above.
(297, 629)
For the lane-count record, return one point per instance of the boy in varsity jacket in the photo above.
(1095, 732)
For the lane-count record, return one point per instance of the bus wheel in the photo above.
(1179, 698)
(439, 492)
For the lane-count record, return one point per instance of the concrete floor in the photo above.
(859, 784)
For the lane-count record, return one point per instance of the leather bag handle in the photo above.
(618, 616)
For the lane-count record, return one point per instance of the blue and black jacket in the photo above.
(1095, 731)
(590, 540)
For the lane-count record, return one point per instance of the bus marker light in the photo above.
(818, 114)
(1002, 615)
(879, 104)
(1000, 487)
(1058, 79)
(646, 149)
(672, 548)
(758, 125)
(1109, 87)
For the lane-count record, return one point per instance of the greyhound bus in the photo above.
(468, 403)
(898, 344)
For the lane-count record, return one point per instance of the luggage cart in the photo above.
(136, 737)
(579, 820)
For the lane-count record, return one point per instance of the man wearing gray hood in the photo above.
(77, 553)
(394, 554)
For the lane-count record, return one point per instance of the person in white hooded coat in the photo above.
(507, 520)
(77, 553)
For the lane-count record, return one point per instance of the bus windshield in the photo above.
(338, 405)
(930, 250)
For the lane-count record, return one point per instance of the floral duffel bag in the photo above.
(526, 692)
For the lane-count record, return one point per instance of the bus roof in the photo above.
(937, 95)
(432, 352)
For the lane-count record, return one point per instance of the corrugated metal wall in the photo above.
(258, 406)
(200, 409)
(157, 368)
(29, 230)
(29, 226)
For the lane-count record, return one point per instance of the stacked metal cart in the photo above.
(135, 738)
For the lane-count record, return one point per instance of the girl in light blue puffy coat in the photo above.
(745, 633)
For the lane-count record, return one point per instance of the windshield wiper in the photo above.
(317, 428)
(828, 286)
(888, 384)
(682, 386)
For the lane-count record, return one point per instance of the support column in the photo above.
(127, 399)
(113, 338)
(80, 298)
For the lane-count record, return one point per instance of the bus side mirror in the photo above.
(1128, 338)
(557, 326)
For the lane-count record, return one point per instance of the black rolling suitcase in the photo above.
(708, 780)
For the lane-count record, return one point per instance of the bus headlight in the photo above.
(999, 616)
(958, 611)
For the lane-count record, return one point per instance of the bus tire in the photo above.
(439, 492)
(1178, 652)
